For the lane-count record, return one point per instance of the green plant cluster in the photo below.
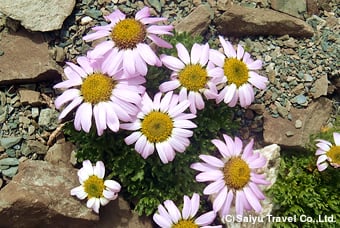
(302, 190)
(146, 183)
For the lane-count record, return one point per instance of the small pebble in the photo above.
(289, 133)
(298, 124)
(85, 20)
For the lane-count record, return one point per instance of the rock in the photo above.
(48, 118)
(320, 87)
(9, 141)
(36, 147)
(312, 7)
(197, 22)
(42, 198)
(291, 7)
(223, 4)
(60, 153)
(30, 97)
(298, 124)
(10, 172)
(118, 214)
(9, 162)
(312, 118)
(38, 15)
(156, 4)
(241, 21)
(29, 52)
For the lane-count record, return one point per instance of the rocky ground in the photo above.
(298, 42)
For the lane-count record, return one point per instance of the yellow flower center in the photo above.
(157, 126)
(193, 77)
(128, 33)
(185, 224)
(235, 71)
(94, 186)
(236, 173)
(97, 88)
(334, 154)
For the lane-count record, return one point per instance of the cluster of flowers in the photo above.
(107, 86)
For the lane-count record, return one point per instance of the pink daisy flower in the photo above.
(328, 153)
(93, 186)
(127, 37)
(99, 91)
(192, 74)
(239, 75)
(171, 217)
(161, 123)
(234, 178)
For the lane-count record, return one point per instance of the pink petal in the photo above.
(147, 54)
(181, 107)
(227, 47)
(172, 63)
(79, 192)
(143, 13)
(160, 29)
(85, 64)
(96, 35)
(231, 89)
(186, 211)
(128, 62)
(161, 221)
(84, 115)
(112, 185)
(322, 167)
(216, 57)
(252, 199)
(169, 86)
(248, 150)
(67, 96)
(222, 147)
(255, 65)
(211, 160)
(173, 210)
(240, 52)
(204, 56)
(246, 94)
(159, 42)
(214, 187)
(99, 169)
(257, 80)
(336, 137)
(226, 206)
(195, 203)
(195, 54)
(220, 199)
(140, 144)
(183, 53)
(132, 138)
(206, 218)
(102, 48)
(212, 175)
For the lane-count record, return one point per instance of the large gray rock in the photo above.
(39, 195)
(26, 58)
(286, 133)
(42, 15)
(241, 21)
(196, 22)
(291, 7)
